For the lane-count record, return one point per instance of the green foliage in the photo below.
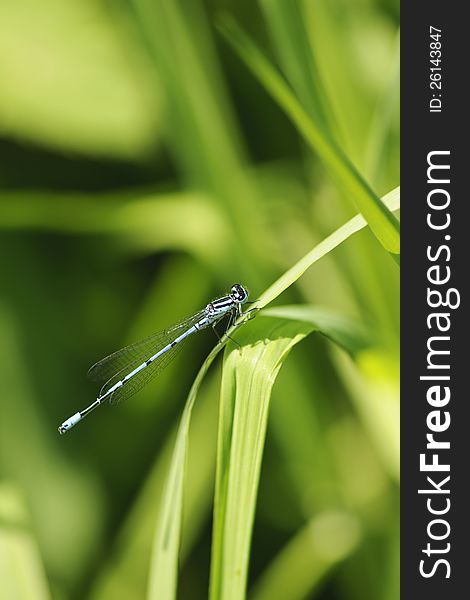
(143, 171)
(381, 221)
(21, 572)
(248, 376)
(66, 68)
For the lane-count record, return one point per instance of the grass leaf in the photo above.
(164, 561)
(288, 31)
(351, 336)
(382, 222)
(248, 377)
(391, 200)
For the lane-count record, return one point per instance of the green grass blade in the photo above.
(382, 222)
(124, 567)
(351, 336)
(246, 391)
(248, 377)
(164, 560)
(21, 572)
(286, 23)
(391, 200)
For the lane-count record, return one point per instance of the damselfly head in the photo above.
(239, 293)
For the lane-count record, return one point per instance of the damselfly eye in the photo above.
(239, 293)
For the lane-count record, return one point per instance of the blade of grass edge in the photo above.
(382, 222)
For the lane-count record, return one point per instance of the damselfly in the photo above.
(128, 370)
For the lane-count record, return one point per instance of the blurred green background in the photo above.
(143, 170)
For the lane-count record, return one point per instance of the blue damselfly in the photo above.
(128, 370)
